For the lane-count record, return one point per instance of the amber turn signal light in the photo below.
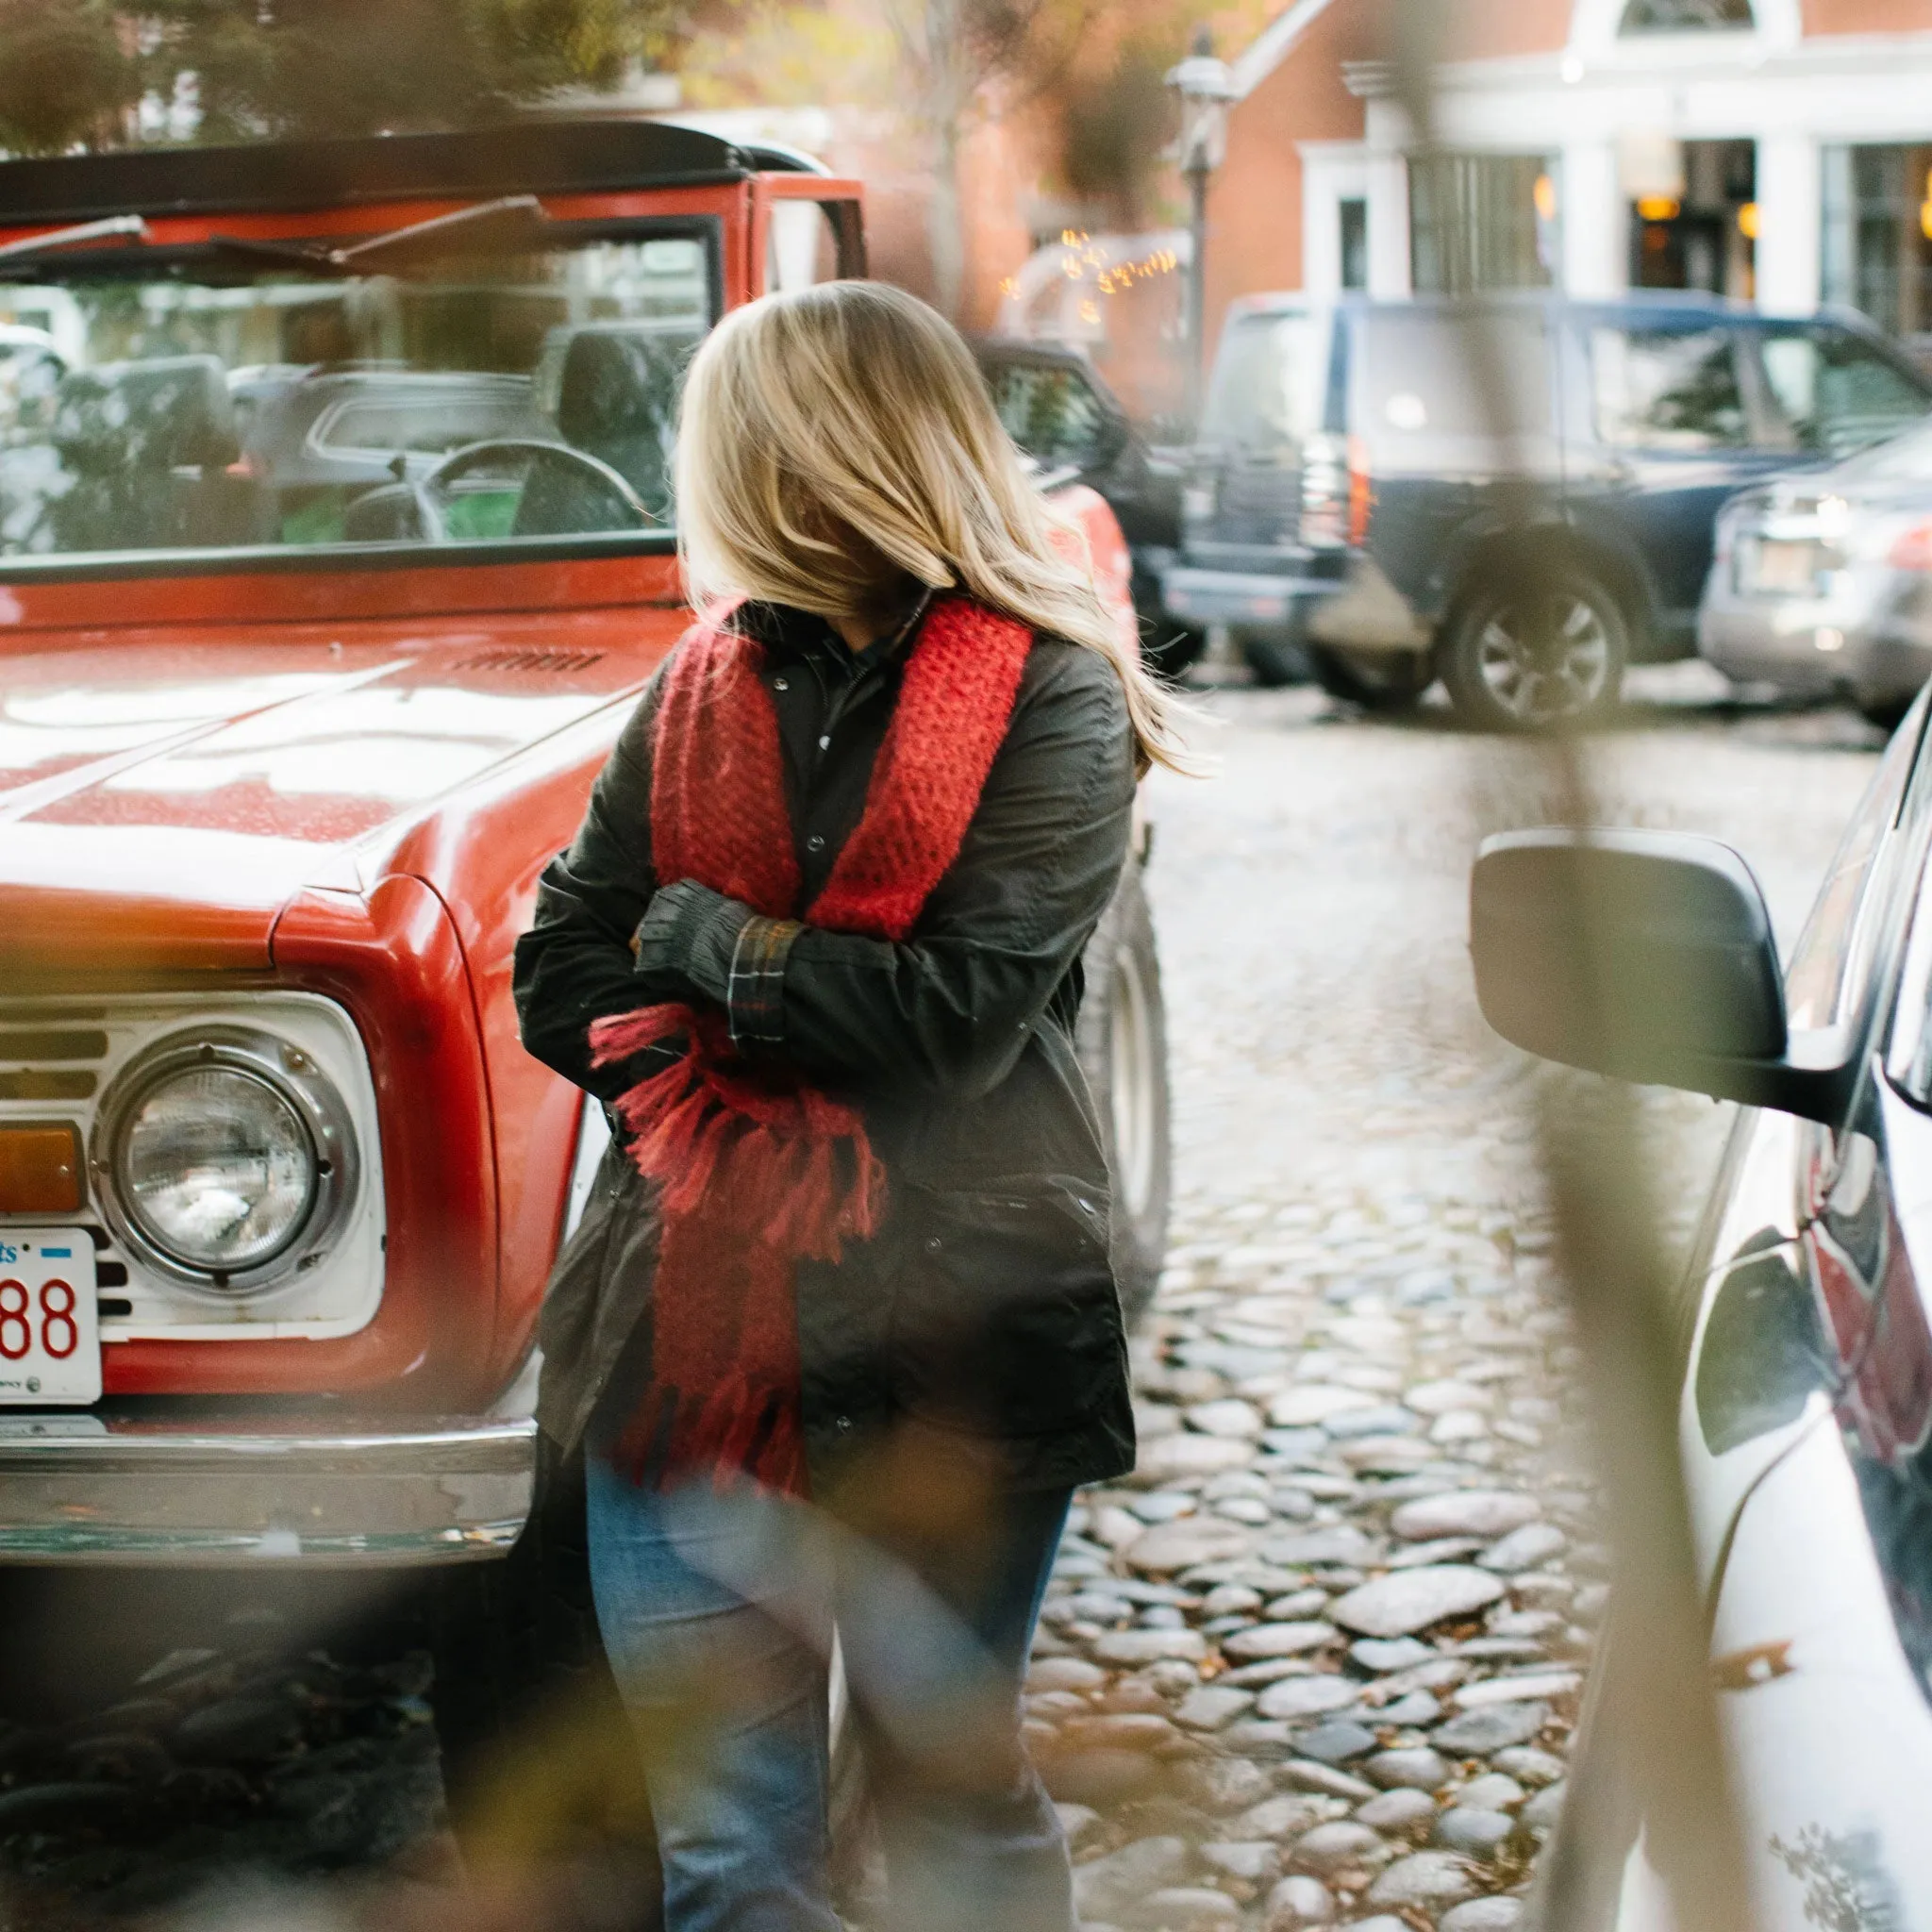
(39, 1168)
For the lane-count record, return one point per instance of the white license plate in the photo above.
(1776, 568)
(50, 1328)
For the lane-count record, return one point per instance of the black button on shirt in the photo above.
(833, 706)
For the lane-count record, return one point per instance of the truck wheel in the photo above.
(1377, 680)
(1275, 661)
(539, 1761)
(1123, 1048)
(1535, 651)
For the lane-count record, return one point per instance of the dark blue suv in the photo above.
(1349, 496)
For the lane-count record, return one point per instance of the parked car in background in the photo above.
(1821, 582)
(1117, 300)
(1804, 1347)
(1349, 493)
(1072, 425)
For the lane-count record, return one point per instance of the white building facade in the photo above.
(1686, 143)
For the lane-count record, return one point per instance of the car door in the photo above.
(1809, 1404)
(1805, 1420)
(1663, 426)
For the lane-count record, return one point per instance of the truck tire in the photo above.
(1375, 680)
(1122, 1047)
(1535, 650)
(1275, 661)
(539, 1759)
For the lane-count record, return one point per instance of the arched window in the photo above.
(1686, 17)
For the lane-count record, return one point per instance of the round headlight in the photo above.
(216, 1168)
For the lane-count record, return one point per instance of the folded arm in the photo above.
(950, 1010)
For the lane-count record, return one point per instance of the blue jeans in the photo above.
(718, 1613)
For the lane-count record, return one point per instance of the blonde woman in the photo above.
(838, 1331)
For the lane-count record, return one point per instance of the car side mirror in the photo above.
(1646, 956)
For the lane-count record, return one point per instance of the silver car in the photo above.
(1822, 581)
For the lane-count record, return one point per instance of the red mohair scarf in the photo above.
(755, 1169)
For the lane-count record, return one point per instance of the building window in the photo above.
(1479, 221)
(1703, 235)
(1354, 214)
(1878, 238)
(1686, 17)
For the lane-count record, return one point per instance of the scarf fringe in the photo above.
(706, 1131)
(737, 1431)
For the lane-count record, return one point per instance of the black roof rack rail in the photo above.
(535, 156)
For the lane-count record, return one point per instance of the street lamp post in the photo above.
(1206, 88)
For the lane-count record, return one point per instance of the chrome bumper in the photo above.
(89, 1489)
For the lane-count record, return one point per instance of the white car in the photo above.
(1822, 581)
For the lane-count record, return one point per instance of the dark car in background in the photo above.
(1073, 427)
(1349, 495)
(1804, 1327)
(1821, 582)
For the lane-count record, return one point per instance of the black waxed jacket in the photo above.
(984, 1312)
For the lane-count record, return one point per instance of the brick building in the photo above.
(1779, 151)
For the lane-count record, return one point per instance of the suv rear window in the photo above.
(1270, 381)
(1420, 374)
(494, 385)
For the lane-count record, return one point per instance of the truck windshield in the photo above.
(225, 400)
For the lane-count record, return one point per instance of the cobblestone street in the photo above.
(1317, 1662)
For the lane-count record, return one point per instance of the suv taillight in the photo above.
(1913, 549)
(1338, 494)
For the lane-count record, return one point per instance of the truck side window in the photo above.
(1835, 392)
(1667, 388)
(801, 246)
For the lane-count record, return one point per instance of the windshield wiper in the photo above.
(345, 258)
(522, 212)
(71, 238)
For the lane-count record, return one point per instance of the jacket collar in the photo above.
(791, 635)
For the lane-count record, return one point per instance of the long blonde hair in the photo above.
(836, 440)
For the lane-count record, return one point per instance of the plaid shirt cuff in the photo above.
(755, 998)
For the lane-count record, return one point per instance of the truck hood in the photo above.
(167, 791)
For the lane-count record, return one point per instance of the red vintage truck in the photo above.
(335, 546)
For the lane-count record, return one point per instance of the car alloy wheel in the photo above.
(1536, 655)
(1545, 661)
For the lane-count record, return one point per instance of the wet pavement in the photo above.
(1317, 1660)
